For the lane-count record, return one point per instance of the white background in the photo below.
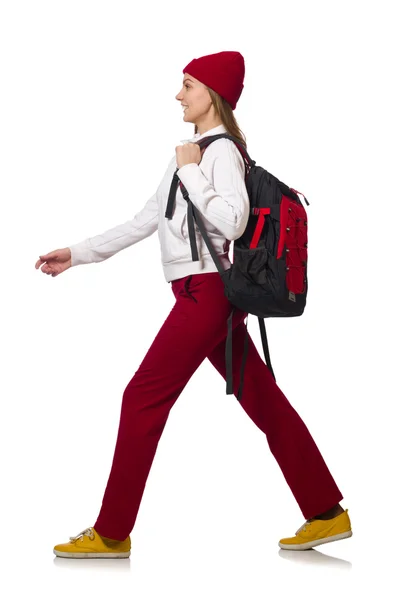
(89, 122)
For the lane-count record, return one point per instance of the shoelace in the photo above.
(303, 527)
(81, 535)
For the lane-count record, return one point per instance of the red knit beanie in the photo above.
(223, 72)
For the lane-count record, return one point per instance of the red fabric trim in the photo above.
(259, 226)
(293, 217)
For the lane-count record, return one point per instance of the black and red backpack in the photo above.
(268, 275)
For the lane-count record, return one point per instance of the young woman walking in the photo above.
(196, 327)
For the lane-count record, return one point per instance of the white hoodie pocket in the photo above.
(184, 228)
(178, 225)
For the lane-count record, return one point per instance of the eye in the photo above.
(186, 85)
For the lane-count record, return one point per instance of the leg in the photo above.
(195, 325)
(289, 440)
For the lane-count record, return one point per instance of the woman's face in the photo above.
(196, 97)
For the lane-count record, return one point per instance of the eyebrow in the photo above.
(187, 79)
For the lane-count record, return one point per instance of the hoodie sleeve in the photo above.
(102, 246)
(225, 204)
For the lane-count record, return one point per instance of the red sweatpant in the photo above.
(195, 329)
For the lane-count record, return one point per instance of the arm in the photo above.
(104, 245)
(226, 203)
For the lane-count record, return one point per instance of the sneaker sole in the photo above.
(308, 545)
(92, 554)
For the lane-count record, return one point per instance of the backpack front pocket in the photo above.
(293, 239)
(250, 266)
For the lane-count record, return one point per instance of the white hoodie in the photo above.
(216, 187)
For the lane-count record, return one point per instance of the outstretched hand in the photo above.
(55, 262)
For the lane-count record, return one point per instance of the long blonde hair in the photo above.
(225, 112)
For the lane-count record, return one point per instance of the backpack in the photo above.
(268, 274)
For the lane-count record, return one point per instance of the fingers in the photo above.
(48, 270)
(41, 262)
(42, 259)
(46, 257)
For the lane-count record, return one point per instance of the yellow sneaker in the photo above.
(89, 544)
(317, 531)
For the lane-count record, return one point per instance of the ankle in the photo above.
(331, 513)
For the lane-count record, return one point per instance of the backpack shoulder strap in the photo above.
(206, 141)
